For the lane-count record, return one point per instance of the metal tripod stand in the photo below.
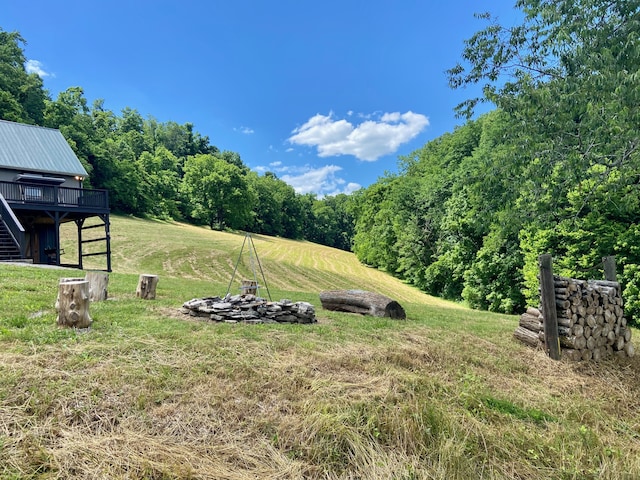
(253, 261)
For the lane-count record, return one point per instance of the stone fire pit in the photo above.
(249, 308)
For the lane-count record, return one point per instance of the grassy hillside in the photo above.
(188, 252)
(149, 393)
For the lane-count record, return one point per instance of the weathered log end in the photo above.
(527, 336)
(363, 302)
(394, 310)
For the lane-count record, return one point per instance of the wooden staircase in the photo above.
(9, 251)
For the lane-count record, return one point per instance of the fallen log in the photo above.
(360, 301)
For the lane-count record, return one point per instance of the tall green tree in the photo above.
(271, 195)
(22, 95)
(375, 238)
(568, 79)
(218, 192)
(70, 113)
(130, 130)
(161, 183)
(343, 219)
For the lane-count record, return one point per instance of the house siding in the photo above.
(8, 175)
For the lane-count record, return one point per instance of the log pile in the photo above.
(249, 308)
(591, 322)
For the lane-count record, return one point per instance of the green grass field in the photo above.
(147, 392)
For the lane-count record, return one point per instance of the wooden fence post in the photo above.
(548, 301)
(610, 268)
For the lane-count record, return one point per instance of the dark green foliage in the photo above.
(494, 280)
(273, 198)
(217, 191)
(22, 97)
(337, 211)
(554, 170)
(447, 224)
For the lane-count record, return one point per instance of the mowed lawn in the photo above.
(148, 392)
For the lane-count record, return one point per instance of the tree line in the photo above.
(164, 169)
(553, 168)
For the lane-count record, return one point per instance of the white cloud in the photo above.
(245, 130)
(367, 141)
(367, 116)
(34, 66)
(390, 117)
(322, 181)
(349, 188)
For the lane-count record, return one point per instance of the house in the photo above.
(41, 188)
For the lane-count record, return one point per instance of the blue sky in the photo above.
(325, 94)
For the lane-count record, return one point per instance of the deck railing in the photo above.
(54, 195)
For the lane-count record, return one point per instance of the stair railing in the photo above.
(16, 230)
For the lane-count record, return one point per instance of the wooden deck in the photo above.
(33, 196)
(31, 215)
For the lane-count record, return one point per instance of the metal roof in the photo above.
(30, 148)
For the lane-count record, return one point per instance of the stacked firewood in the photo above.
(591, 322)
(249, 308)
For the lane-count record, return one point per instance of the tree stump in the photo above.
(249, 287)
(66, 280)
(71, 279)
(73, 304)
(98, 282)
(147, 286)
(359, 301)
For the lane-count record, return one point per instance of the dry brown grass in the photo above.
(149, 393)
(405, 406)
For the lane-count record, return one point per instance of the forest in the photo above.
(552, 168)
